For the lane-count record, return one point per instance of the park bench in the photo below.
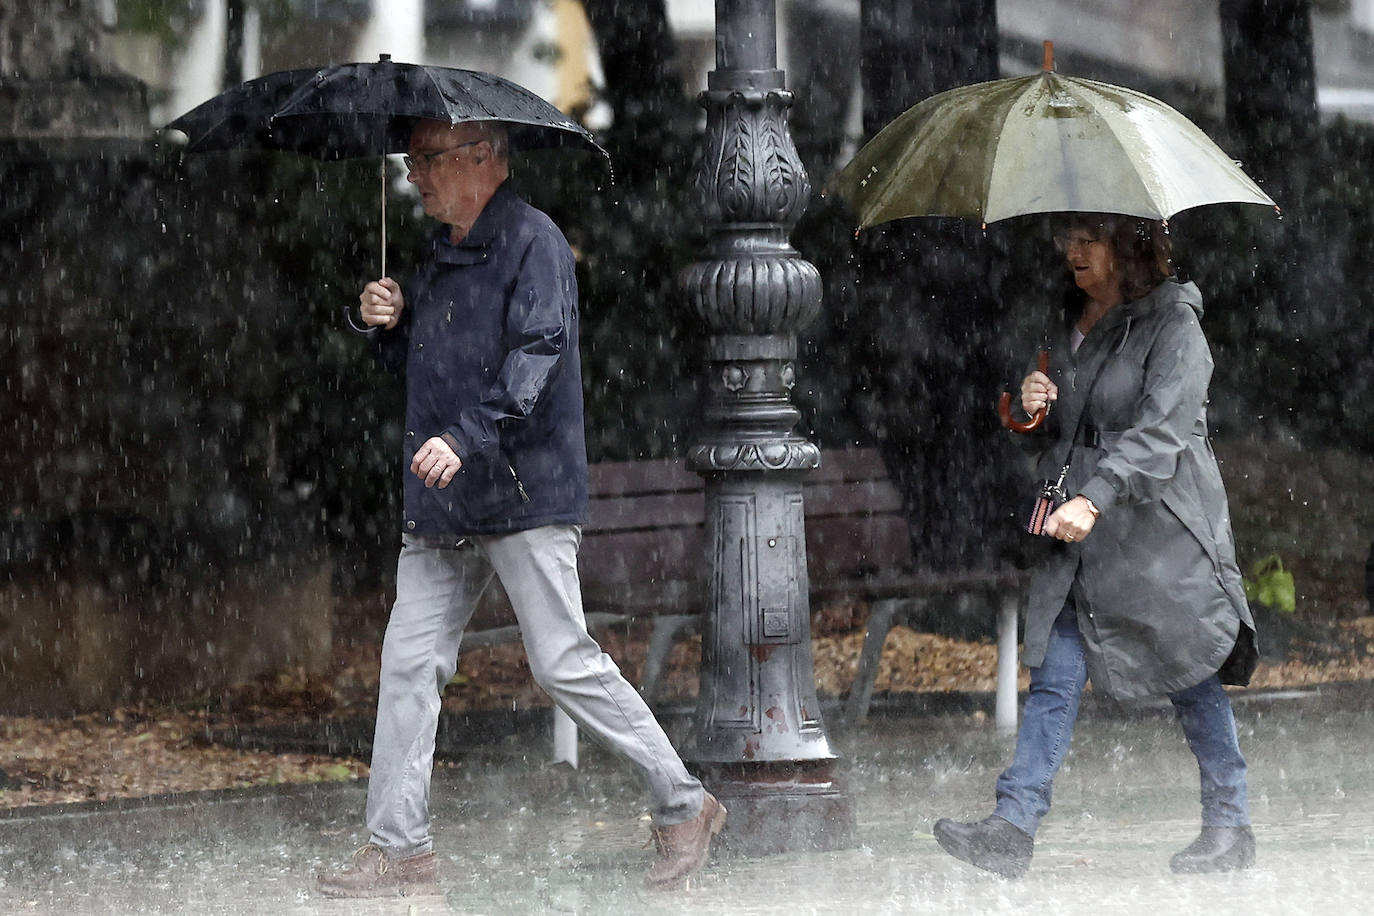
(643, 557)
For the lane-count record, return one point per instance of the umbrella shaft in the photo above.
(383, 216)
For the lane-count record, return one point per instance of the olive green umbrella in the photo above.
(1040, 144)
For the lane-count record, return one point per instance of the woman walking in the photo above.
(1139, 590)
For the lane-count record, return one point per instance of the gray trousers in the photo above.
(438, 584)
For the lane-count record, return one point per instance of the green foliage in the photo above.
(167, 19)
(261, 254)
(338, 772)
(321, 241)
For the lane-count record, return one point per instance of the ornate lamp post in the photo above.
(759, 742)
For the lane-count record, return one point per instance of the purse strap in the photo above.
(1087, 395)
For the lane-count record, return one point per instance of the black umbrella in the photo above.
(369, 109)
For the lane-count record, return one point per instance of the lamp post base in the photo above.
(781, 808)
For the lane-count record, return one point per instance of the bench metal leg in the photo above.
(880, 619)
(1007, 663)
(564, 738)
(668, 629)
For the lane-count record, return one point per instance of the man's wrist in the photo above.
(1092, 507)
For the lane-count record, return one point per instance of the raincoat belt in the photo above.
(1089, 436)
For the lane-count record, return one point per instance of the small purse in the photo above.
(1051, 497)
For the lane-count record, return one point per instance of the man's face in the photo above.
(440, 167)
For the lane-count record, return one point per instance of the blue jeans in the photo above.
(1204, 711)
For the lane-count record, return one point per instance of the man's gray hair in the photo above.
(495, 134)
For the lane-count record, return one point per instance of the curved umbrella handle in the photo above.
(1004, 405)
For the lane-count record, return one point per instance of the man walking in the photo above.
(486, 338)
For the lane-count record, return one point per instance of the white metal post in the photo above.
(1007, 664)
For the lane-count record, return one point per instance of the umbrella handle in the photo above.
(1004, 405)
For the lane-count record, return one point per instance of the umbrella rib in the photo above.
(909, 139)
(1016, 97)
(1185, 132)
(1066, 186)
(1122, 129)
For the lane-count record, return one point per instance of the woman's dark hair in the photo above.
(1144, 251)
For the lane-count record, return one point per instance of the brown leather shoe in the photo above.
(682, 848)
(372, 874)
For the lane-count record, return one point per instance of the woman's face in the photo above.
(1091, 259)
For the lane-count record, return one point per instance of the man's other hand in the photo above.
(435, 463)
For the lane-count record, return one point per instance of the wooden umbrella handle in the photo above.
(1004, 405)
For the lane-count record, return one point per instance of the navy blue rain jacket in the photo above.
(487, 345)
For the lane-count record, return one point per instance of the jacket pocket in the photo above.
(495, 490)
(485, 489)
(1183, 506)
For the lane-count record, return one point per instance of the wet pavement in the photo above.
(515, 836)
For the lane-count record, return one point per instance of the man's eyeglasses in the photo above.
(1075, 240)
(423, 162)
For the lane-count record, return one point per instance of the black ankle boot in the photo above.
(1217, 849)
(993, 844)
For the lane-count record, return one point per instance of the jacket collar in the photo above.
(475, 246)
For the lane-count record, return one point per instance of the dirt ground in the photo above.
(147, 750)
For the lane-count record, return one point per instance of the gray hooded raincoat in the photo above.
(1155, 583)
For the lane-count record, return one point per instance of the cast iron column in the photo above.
(760, 743)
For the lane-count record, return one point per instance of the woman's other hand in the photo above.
(1071, 521)
(1037, 392)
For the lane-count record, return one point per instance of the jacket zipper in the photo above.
(524, 497)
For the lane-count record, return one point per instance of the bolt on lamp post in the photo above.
(759, 740)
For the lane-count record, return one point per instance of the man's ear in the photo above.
(483, 151)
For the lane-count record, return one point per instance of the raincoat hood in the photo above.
(1169, 294)
(1166, 295)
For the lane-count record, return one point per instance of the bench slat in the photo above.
(857, 499)
(647, 511)
(619, 478)
(851, 547)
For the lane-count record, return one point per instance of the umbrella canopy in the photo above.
(1040, 144)
(351, 110)
(368, 109)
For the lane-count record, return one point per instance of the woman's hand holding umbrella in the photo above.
(1038, 392)
(381, 303)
